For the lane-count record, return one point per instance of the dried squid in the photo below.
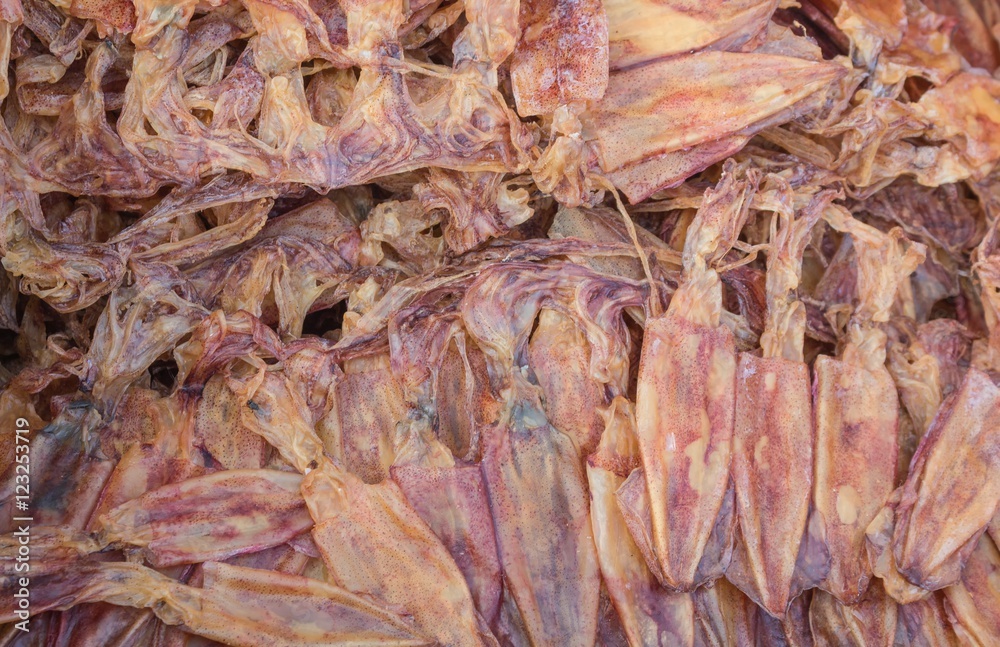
(495, 322)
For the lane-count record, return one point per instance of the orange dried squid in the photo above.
(856, 409)
(371, 540)
(685, 406)
(773, 434)
(533, 473)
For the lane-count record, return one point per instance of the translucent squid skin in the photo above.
(235, 605)
(871, 621)
(685, 407)
(211, 517)
(560, 358)
(857, 415)
(379, 545)
(370, 538)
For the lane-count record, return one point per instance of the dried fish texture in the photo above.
(480, 206)
(369, 404)
(498, 322)
(180, 523)
(562, 55)
(641, 124)
(643, 31)
(449, 496)
(870, 621)
(559, 355)
(371, 540)
(234, 605)
(930, 368)
(927, 622)
(453, 502)
(532, 471)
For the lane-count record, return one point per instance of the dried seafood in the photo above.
(480, 322)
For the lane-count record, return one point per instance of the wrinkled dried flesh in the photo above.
(400, 225)
(164, 184)
(857, 409)
(562, 56)
(453, 503)
(139, 324)
(532, 470)
(987, 356)
(60, 545)
(714, 231)
(973, 600)
(145, 467)
(560, 358)
(784, 330)
(306, 150)
(641, 115)
(950, 494)
(371, 540)
(217, 428)
(723, 615)
(376, 544)
(884, 263)
(500, 307)
(538, 496)
(465, 404)
(600, 224)
(883, 561)
(872, 155)
(929, 369)
(927, 622)
(686, 393)
(67, 276)
(480, 206)
(645, 30)
(74, 479)
(871, 621)
(369, 403)
(643, 178)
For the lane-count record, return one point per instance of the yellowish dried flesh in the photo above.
(648, 612)
(642, 115)
(640, 31)
(684, 417)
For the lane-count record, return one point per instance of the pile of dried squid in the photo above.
(486, 322)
